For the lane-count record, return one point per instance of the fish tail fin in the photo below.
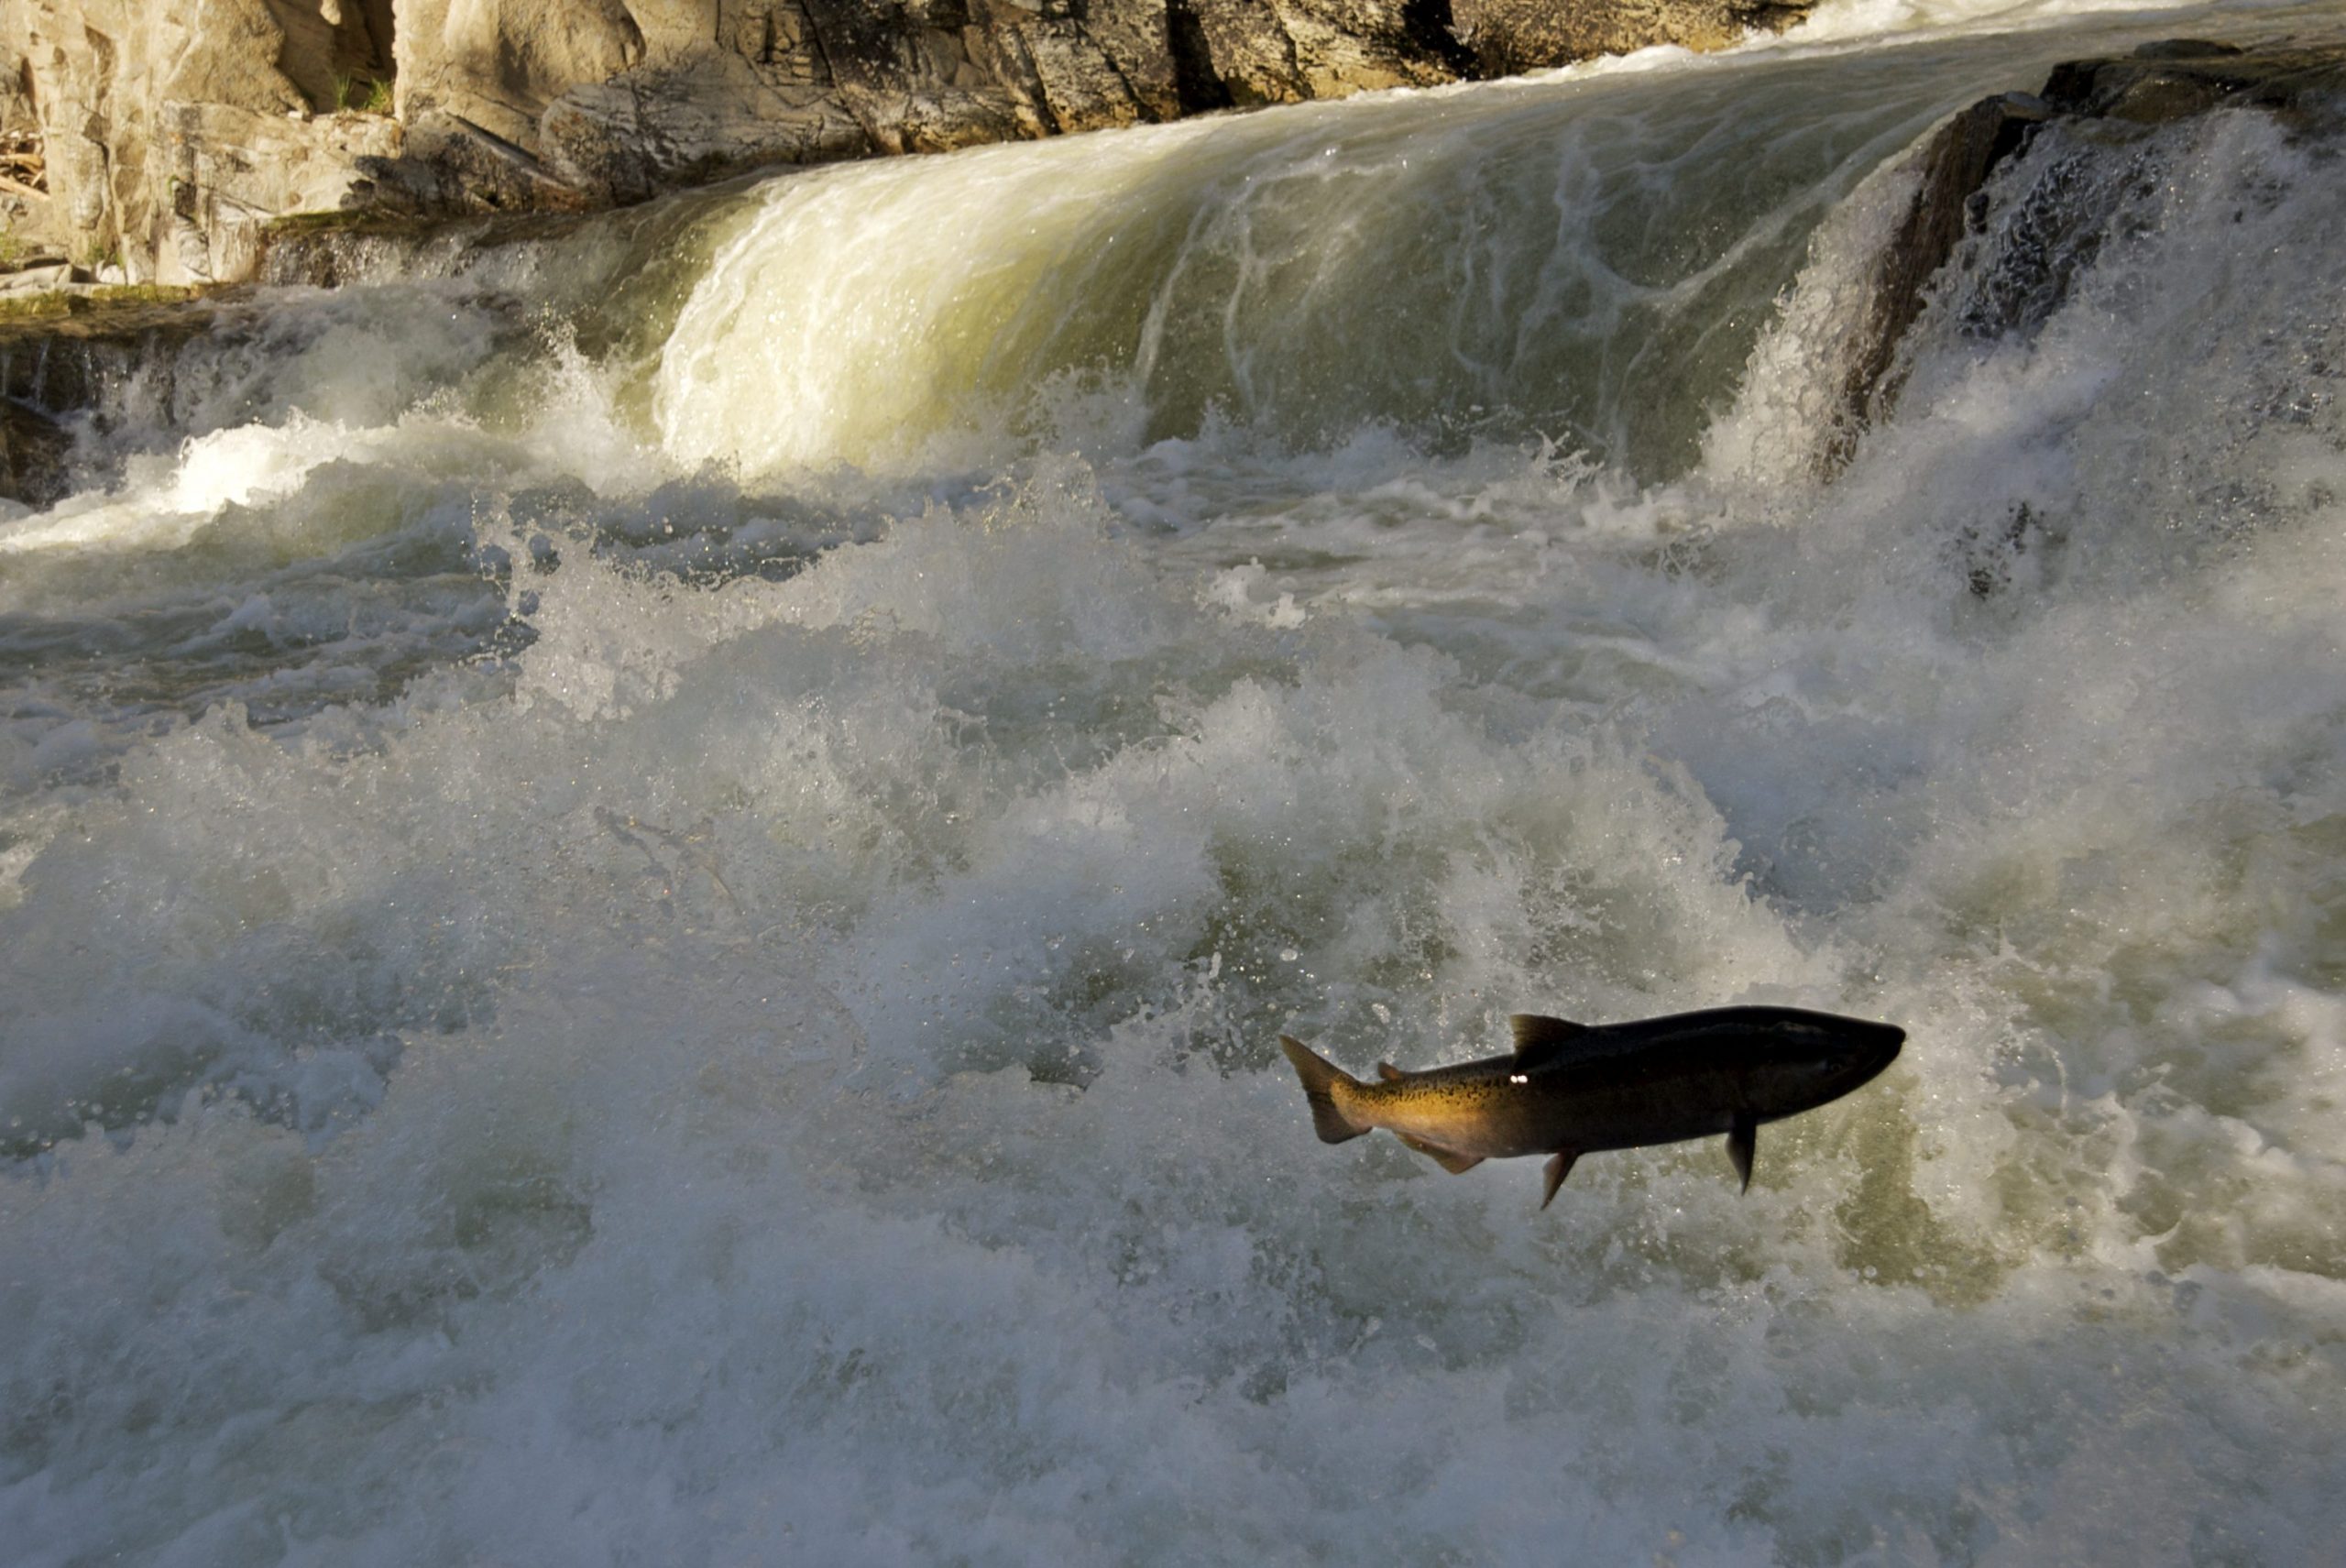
(1321, 1076)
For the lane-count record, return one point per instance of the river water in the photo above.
(645, 888)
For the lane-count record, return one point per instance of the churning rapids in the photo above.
(646, 892)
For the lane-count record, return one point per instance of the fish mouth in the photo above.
(1879, 1044)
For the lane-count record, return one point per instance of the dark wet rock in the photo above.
(2306, 85)
(33, 450)
(62, 353)
(1954, 165)
(2183, 48)
(95, 356)
(2109, 102)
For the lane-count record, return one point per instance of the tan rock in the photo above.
(105, 78)
(707, 116)
(1079, 86)
(563, 105)
(233, 169)
(497, 63)
(1510, 35)
(1136, 36)
(1247, 52)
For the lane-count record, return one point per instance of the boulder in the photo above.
(2115, 101)
(2304, 84)
(33, 453)
(497, 63)
(1510, 35)
(40, 278)
(231, 171)
(1953, 164)
(28, 229)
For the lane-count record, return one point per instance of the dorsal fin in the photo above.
(1539, 1040)
(1389, 1073)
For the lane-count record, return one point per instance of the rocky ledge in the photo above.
(59, 351)
(159, 138)
(2116, 102)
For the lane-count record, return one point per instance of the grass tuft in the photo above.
(362, 94)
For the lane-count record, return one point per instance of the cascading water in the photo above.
(648, 926)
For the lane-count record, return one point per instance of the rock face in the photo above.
(662, 92)
(1509, 36)
(169, 130)
(166, 133)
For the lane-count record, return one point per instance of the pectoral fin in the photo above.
(1389, 1073)
(1742, 1143)
(1456, 1163)
(1560, 1165)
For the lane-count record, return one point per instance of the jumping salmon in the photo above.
(1573, 1089)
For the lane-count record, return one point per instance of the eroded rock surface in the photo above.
(170, 131)
(1509, 36)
